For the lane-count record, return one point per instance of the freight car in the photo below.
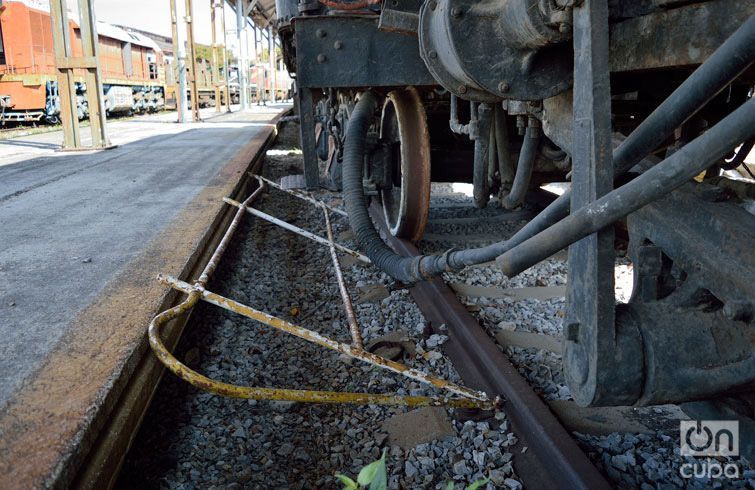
(639, 105)
(131, 64)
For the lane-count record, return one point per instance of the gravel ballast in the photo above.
(191, 439)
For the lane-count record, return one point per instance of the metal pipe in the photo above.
(243, 64)
(453, 122)
(676, 170)
(717, 72)
(296, 229)
(503, 147)
(215, 74)
(301, 195)
(226, 64)
(316, 338)
(524, 168)
(480, 190)
(725, 64)
(356, 334)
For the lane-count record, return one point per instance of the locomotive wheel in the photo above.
(405, 194)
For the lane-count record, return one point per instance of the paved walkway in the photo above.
(82, 237)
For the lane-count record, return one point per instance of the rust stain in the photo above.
(49, 425)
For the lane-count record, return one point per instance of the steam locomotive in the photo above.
(646, 110)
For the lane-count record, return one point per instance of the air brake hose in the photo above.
(404, 269)
(523, 169)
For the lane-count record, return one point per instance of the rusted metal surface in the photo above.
(405, 189)
(297, 230)
(261, 393)
(356, 334)
(558, 461)
(481, 399)
(212, 264)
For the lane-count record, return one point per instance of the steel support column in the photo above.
(178, 86)
(214, 71)
(226, 64)
(243, 65)
(93, 77)
(65, 63)
(589, 326)
(256, 54)
(271, 60)
(66, 85)
(192, 61)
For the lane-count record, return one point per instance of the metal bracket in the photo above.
(592, 339)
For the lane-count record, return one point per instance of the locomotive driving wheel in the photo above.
(405, 189)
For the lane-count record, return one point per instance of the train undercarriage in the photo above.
(644, 108)
(118, 99)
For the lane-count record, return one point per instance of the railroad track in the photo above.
(191, 437)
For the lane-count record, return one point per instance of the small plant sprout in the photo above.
(373, 476)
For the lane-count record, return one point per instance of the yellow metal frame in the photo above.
(459, 396)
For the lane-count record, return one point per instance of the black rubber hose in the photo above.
(481, 191)
(524, 168)
(369, 241)
(502, 145)
(404, 269)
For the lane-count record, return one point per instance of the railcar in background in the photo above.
(131, 64)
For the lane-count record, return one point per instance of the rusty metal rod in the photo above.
(300, 194)
(258, 393)
(356, 334)
(212, 264)
(321, 340)
(296, 229)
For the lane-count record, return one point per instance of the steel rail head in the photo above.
(356, 334)
(689, 161)
(296, 229)
(316, 338)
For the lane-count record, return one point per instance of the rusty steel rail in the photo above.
(356, 334)
(479, 361)
(297, 230)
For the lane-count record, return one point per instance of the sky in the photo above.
(154, 16)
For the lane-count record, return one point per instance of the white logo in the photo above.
(709, 437)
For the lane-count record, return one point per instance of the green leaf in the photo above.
(380, 480)
(450, 485)
(477, 484)
(348, 483)
(368, 473)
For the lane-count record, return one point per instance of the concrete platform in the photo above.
(82, 237)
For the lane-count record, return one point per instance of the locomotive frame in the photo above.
(630, 99)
